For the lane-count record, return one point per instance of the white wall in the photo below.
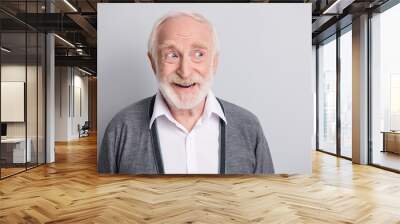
(61, 103)
(16, 72)
(265, 66)
(69, 79)
(33, 126)
(80, 83)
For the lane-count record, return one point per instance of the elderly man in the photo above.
(184, 128)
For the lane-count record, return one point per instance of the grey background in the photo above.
(265, 66)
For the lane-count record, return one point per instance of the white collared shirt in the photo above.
(194, 152)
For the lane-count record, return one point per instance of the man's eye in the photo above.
(172, 55)
(198, 54)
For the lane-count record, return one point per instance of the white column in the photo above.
(50, 92)
(50, 100)
(360, 90)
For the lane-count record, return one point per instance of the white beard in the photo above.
(184, 101)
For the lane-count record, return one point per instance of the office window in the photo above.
(346, 93)
(327, 96)
(385, 88)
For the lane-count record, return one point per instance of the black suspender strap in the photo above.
(222, 142)
(222, 147)
(154, 138)
(156, 143)
(157, 152)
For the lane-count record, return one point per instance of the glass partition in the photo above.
(31, 100)
(13, 94)
(327, 96)
(22, 78)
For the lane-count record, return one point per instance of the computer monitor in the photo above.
(3, 129)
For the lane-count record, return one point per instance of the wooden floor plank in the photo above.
(71, 191)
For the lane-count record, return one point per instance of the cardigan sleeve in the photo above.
(108, 154)
(264, 164)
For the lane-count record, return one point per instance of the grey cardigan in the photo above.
(128, 147)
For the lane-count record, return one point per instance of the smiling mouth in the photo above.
(185, 85)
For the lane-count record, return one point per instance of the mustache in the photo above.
(184, 101)
(195, 78)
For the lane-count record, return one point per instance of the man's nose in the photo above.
(185, 67)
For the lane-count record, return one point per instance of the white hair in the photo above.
(196, 16)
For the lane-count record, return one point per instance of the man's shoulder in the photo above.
(134, 113)
(238, 114)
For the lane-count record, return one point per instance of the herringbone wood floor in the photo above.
(71, 191)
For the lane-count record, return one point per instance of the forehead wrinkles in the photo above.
(180, 47)
(184, 35)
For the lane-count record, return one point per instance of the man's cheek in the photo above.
(168, 69)
(203, 71)
(205, 65)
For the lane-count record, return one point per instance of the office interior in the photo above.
(49, 100)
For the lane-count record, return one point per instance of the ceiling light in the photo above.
(331, 7)
(338, 6)
(70, 5)
(64, 40)
(84, 71)
(5, 50)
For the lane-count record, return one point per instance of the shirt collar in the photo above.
(212, 106)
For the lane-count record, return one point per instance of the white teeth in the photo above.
(185, 85)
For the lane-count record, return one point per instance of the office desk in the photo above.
(391, 141)
(13, 150)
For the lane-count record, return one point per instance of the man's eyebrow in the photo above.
(200, 45)
(162, 46)
(167, 44)
(172, 44)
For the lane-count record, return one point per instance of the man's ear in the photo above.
(152, 62)
(215, 63)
